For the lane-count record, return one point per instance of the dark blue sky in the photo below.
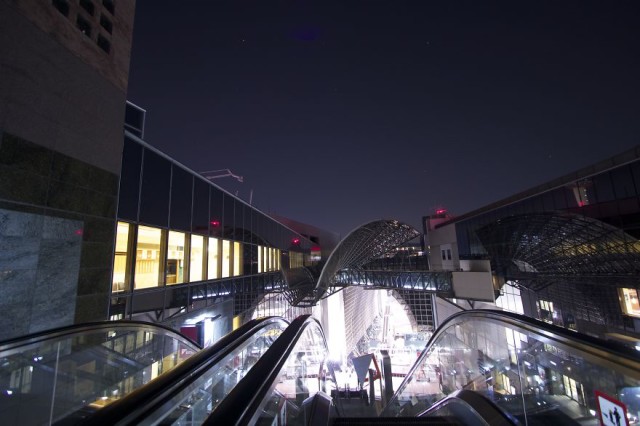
(341, 112)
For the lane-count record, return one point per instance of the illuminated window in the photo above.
(148, 257)
(265, 259)
(226, 258)
(629, 301)
(213, 271)
(237, 258)
(260, 256)
(120, 270)
(546, 310)
(175, 258)
(277, 259)
(196, 262)
(272, 259)
(296, 260)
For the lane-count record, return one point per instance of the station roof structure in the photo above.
(560, 245)
(362, 245)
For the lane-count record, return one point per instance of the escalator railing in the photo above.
(285, 379)
(534, 371)
(46, 376)
(188, 393)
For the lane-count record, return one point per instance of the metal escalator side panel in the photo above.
(190, 390)
(294, 367)
(527, 367)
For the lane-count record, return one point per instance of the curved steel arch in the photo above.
(360, 246)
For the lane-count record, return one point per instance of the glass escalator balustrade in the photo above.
(195, 403)
(529, 373)
(45, 378)
(305, 373)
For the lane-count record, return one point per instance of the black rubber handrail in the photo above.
(139, 404)
(77, 329)
(241, 406)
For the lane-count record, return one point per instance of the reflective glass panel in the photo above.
(226, 258)
(148, 257)
(175, 258)
(196, 260)
(213, 269)
(120, 274)
(237, 258)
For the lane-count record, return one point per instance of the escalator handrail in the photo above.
(590, 347)
(141, 402)
(77, 329)
(479, 405)
(242, 404)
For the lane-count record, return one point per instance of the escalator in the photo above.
(480, 367)
(46, 376)
(188, 393)
(535, 372)
(118, 372)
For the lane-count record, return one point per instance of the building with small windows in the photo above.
(64, 68)
(566, 252)
(94, 226)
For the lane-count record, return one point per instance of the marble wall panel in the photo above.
(39, 267)
(19, 224)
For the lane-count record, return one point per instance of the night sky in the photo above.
(337, 113)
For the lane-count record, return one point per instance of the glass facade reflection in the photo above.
(570, 245)
(177, 229)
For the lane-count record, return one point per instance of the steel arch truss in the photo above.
(362, 245)
(560, 246)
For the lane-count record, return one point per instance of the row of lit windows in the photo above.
(163, 257)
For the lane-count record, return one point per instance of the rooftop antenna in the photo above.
(216, 174)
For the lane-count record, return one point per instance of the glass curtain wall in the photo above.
(174, 228)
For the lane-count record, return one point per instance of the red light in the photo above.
(78, 232)
(215, 223)
(581, 203)
(441, 211)
(296, 241)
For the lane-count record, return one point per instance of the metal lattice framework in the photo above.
(435, 282)
(551, 246)
(362, 245)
